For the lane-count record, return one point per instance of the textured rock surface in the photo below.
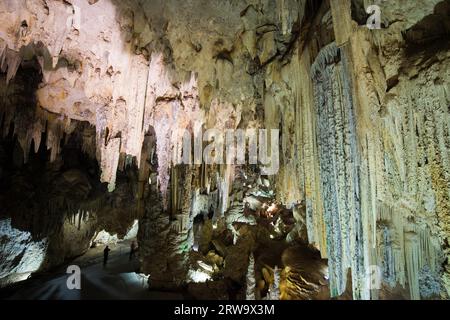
(20, 255)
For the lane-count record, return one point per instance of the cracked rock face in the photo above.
(97, 95)
(20, 255)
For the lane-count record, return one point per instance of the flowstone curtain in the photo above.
(336, 141)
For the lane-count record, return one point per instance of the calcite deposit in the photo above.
(97, 98)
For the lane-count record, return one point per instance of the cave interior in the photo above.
(114, 126)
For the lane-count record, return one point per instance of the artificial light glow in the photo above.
(22, 277)
(103, 237)
(204, 266)
(135, 279)
(144, 279)
(198, 276)
(132, 233)
(326, 276)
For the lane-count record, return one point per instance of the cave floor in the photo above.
(118, 281)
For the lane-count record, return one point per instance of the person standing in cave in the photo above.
(132, 250)
(106, 255)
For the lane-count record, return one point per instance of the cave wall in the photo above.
(400, 94)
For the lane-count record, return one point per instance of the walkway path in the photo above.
(118, 280)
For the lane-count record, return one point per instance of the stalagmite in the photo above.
(274, 291)
(250, 293)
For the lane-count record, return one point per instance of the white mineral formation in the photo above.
(250, 293)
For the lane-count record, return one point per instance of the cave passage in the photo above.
(224, 150)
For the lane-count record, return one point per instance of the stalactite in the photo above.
(336, 140)
(110, 161)
(224, 185)
(174, 189)
(342, 21)
(54, 136)
(306, 109)
(405, 248)
(80, 218)
(10, 63)
(136, 98)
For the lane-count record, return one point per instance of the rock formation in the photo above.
(251, 279)
(100, 98)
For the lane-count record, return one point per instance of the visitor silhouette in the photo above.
(105, 255)
(132, 250)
